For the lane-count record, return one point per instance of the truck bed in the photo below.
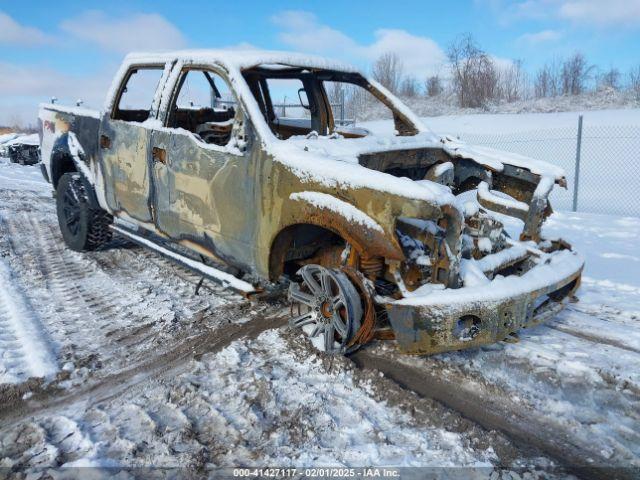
(56, 123)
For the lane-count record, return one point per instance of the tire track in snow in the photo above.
(161, 363)
(85, 312)
(500, 413)
(24, 348)
(592, 337)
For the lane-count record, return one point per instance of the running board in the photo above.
(223, 278)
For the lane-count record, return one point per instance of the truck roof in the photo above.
(240, 59)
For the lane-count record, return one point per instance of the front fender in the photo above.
(351, 223)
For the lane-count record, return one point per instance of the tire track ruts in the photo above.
(160, 364)
(498, 413)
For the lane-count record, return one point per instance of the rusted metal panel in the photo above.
(429, 330)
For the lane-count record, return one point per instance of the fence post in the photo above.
(342, 106)
(576, 177)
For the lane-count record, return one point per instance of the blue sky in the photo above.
(70, 49)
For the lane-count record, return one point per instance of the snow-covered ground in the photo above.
(509, 123)
(446, 105)
(140, 372)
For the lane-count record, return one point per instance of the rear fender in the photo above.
(68, 156)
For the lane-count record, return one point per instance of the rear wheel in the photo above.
(327, 306)
(83, 227)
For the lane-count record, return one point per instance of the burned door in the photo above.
(124, 143)
(202, 181)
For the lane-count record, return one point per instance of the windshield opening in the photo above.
(297, 101)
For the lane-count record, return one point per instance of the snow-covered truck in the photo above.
(390, 236)
(23, 149)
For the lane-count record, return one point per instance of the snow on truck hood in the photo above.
(332, 160)
(22, 139)
(495, 159)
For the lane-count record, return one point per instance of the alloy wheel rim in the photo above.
(326, 306)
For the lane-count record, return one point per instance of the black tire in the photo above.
(83, 228)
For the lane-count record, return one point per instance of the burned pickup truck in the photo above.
(24, 149)
(390, 236)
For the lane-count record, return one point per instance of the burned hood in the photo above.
(496, 159)
(411, 156)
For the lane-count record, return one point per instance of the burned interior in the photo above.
(313, 97)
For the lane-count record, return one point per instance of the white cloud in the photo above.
(23, 87)
(142, 31)
(12, 33)
(421, 56)
(537, 38)
(612, 13)
(302, 31)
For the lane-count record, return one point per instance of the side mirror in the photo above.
(302, 96)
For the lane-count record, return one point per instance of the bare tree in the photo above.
(409, 87)
(356, 99)
(15, 123)
(609, 79)
(434, 86)
(634, 81)
(336, 91)
(513, 82)
(474, 76)
(547, 80)
(575, 74)
(388, 71)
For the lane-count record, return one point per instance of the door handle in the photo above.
(105, 142)
(159, 155)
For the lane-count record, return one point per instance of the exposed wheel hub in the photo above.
(326, 304)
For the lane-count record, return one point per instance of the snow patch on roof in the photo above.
(21, 139)
(80, 111)
(240, 59)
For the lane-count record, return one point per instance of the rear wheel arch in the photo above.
(64, 161)
(61, 163)
(83, 227)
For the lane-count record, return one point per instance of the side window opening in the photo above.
(346, 101)
(205, 106)
(288, 101)
(136, 97)
(296, 101)
(291, 109)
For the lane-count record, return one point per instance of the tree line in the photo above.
(476, 79)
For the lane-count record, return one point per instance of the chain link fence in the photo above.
(607, 179)
(601, 162)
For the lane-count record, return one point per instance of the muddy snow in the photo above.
(108, 359)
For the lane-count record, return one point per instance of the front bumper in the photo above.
(454, 319)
